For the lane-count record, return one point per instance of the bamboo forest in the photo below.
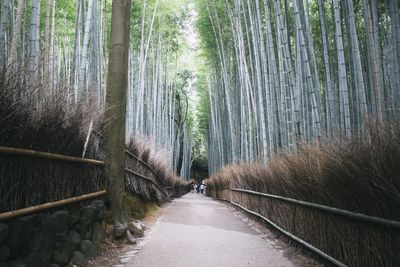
(288, 110)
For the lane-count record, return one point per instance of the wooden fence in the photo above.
(343, 238)
(31, 181)
(31, 178)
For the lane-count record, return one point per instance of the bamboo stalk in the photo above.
(38, 154)
(87, 139)
(64, 202)
(336, 211)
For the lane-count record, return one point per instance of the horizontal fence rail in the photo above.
(38, 154)
(30, 178)
(290, 235)
(145, 164)
(50, 205)
(140, 160)
(336, 211)
(147, 179)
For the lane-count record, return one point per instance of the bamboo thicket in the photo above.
(287, 72)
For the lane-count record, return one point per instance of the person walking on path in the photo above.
(192, 187)
(202, 188)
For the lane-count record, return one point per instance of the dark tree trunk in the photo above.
(180, 158)
(114, 137)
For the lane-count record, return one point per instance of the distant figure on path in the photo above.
(192, 187)
(202, 188)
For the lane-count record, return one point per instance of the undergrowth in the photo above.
(55, 123)
(51, 123)
(361, 175)
(158, 161)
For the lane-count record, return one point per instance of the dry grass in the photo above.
(54, 124)
(158, 169)
(362, 175)
(49, 124)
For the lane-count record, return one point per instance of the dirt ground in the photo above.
(113, 249)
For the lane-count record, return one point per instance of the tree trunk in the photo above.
(114, 136)
(181, 140)
(331, 123)
(85, 49)
(371, 21)
(343, 86)
(52, 48)
(76, 53)
(359, 78)
(34, 36)
(12, 58)
(142, 71)
(3, 30)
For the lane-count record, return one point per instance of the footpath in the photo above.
(198, 231)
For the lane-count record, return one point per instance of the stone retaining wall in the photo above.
(60, 237)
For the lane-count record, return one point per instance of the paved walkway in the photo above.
(199, 231)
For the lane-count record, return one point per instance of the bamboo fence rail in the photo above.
(335, 211)
(144, 164)
(140, 160)
(38, 154)
(148, 179)
(50, 205)
(295, 238)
